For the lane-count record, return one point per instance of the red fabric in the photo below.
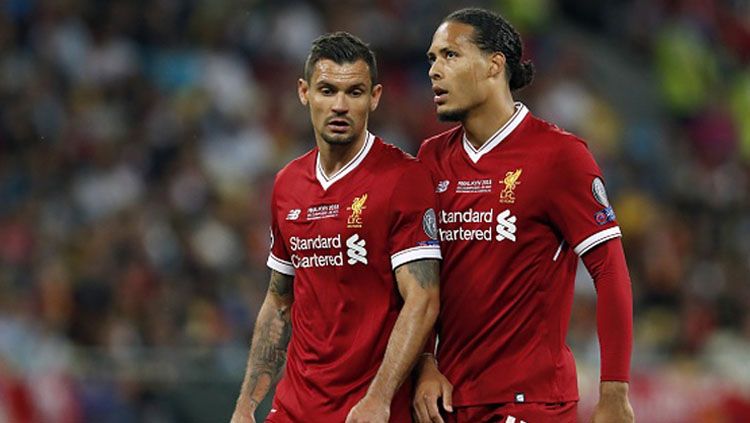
(514, 217)
(515, 413)
(614, 308)
(342, 245)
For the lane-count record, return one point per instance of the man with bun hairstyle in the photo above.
(520, 201)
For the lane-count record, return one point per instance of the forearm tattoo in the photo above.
(426, 272)
(273, 330)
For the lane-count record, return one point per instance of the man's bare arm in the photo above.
(273, 329)
(418, 283)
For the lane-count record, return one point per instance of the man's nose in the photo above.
(435, 72)
(341, 103)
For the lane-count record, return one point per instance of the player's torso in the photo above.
(493, 221)
(502, 260)
(337, 241)
(345, 297)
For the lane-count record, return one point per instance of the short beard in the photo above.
(453, 116)
(338, 141)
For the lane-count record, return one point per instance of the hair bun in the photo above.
(521, 75)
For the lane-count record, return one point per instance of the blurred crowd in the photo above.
(139, 141)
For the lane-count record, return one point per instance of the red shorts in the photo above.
(566, 412)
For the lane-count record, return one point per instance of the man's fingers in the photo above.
(432, 409)
(421, 410)
(448, 396)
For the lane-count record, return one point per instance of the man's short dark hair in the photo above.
(341, 47)
(492, 34)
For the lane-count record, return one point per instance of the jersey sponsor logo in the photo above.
(474, 186)
(604, 216)
(356, 250)
(293, 214)
(600, 193)
(476, 225)
(466, 216)
(506, 226)
(508, 195)
(332, 254)
(320, 242)
(358, 205)
(317, 260)
(323, 211)
(429, 224)
(442, 186)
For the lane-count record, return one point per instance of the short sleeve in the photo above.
(579, 205)
(279, 258)
(413, 230)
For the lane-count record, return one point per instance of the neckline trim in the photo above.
(326, 181)
(476, 153)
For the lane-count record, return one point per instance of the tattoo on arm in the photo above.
(273, 330)
(281, 284)
(424, 271)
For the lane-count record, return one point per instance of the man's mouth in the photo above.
(440, 95)
(338, 125)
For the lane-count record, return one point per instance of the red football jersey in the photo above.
(514, 216)
(341, 237)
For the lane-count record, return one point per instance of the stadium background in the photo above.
(138, 145)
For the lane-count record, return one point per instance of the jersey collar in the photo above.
(327, 181)
(476, 153)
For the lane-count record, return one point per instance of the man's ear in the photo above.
(302, 90)
(377, 90)
(497, 65)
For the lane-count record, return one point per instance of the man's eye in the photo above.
(451, 54)
(356, 93)
(326, 91)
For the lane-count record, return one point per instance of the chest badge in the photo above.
(507, 195)
(358, 205)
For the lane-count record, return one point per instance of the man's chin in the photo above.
(338, 139)
(451, 115)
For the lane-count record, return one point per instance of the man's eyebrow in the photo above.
(323, 84)
(441, 50)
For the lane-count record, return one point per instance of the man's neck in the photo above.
(484, 121)
(335, 156)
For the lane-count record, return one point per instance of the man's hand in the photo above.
(369, 410)
(431, 385)
(613, 406)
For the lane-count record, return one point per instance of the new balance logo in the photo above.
(293, 214)
(356, 250)
(506, 226)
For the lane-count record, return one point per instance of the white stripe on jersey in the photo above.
(280, 265)
(559, 250)
(597, 239)
(415, 253)
(326, 181)
(476, 153)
